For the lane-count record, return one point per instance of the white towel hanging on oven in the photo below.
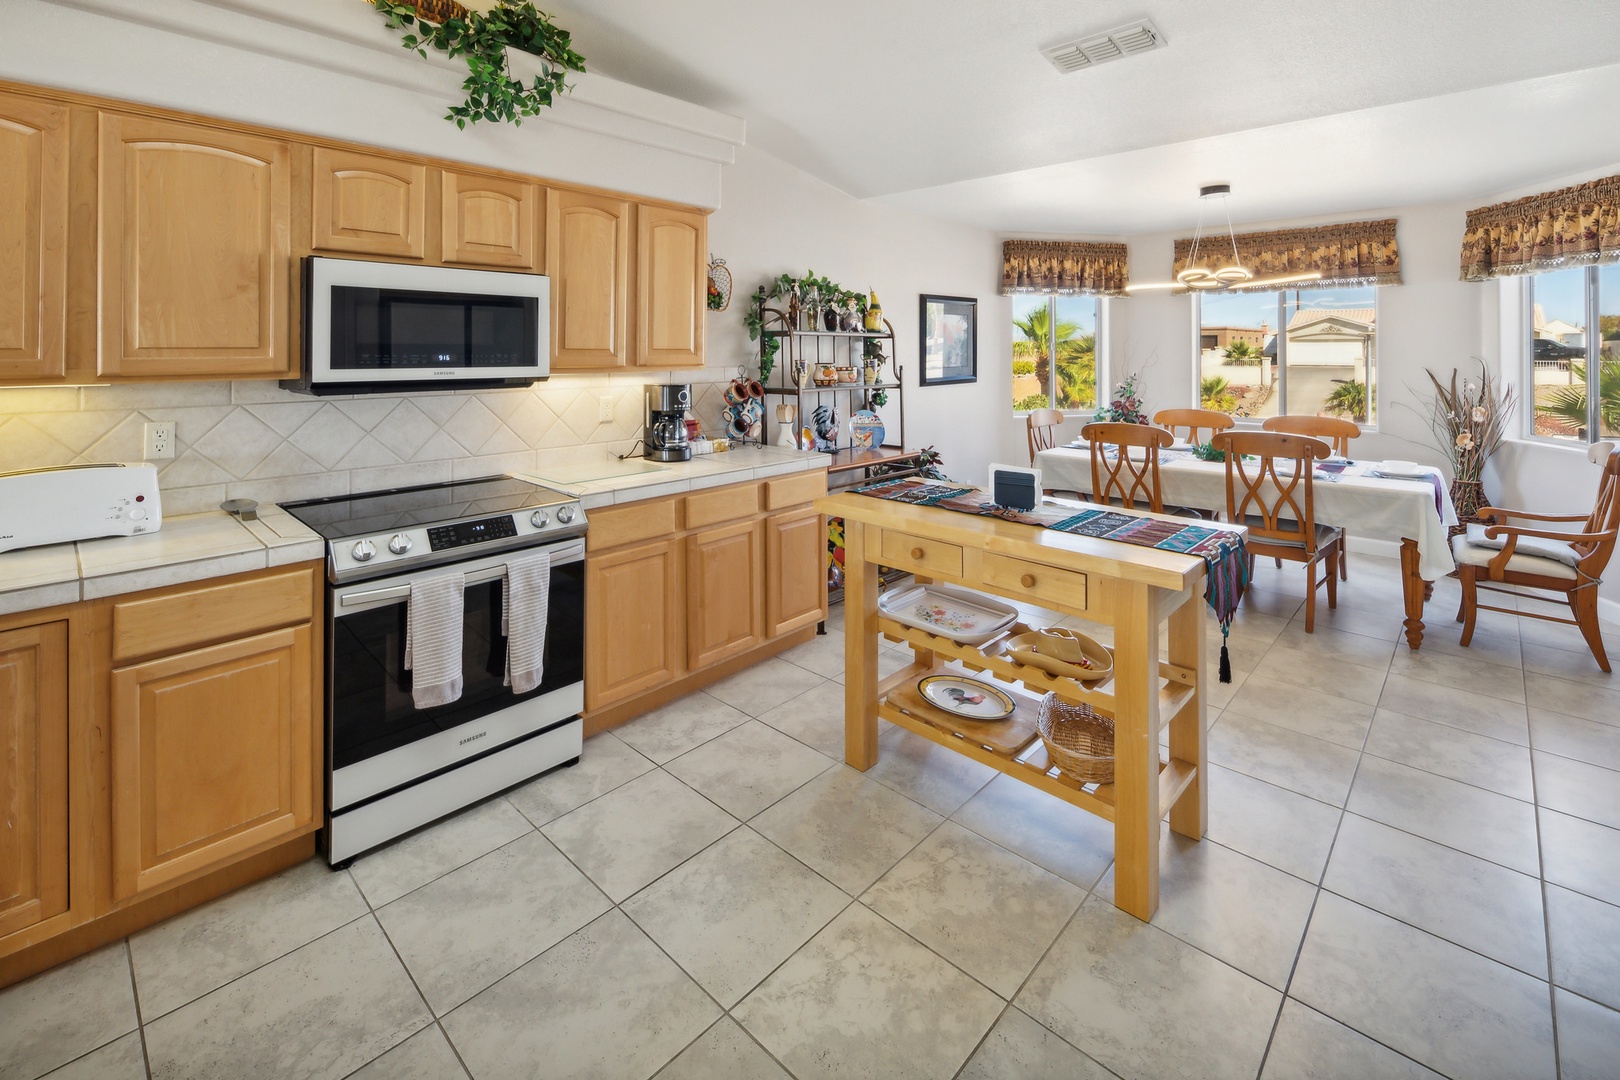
(525, 597)
(433, 639)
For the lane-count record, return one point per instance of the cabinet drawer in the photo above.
(794, 490)
(178, 620)
(650, 520)
(920, 556)
(1021, 580)
(723, 504)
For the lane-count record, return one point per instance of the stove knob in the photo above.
(400, 544)
(539, 519)
(364, 550)
(565, 515)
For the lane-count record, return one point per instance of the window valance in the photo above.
(1065, 267)
(1573, 226)
(1354, 253)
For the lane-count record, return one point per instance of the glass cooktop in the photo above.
(366, 513)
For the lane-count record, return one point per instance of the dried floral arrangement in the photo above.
(1468, 423)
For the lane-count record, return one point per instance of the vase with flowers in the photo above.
(1126, 405)
(1468, 423)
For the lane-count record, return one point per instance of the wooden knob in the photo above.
(916, 553)
(1028, 581)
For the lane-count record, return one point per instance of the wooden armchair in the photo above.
(1337, 432)
(1279, 507)
(1126, 475)
(1194, 420)
(1554, 562)
(1041, 426)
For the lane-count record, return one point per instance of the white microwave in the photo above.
(389, 328)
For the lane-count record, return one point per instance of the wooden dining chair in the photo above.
(1333, 430)
(1279, 506)
(1041, 426)
(1566, 566)
(1337, 432)
(1194, 420)
(1125, 475)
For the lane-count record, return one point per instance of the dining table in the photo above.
(1414, 511)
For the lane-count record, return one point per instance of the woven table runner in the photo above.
(1226, 557)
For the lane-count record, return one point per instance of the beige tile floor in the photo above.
(1412, 869)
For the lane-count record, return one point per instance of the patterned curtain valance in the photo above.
(1065, 267)
(1573, 226)
(1355, 253)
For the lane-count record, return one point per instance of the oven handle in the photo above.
(560, 556)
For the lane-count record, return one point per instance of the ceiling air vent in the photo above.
(1097, 49)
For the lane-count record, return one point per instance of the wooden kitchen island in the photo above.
(1133, 589)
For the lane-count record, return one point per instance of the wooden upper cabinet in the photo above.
(212, 756)
(33, 775)
(588, 257)
(195, 258)
(369, 205)
(33, 237)
(671, 286)
(491, 221)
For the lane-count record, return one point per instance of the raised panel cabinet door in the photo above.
(795, 578)
(724, 613)
(33, 775)
(632, 621)
(672, 281)
(368, 204)
(588, 257)
(212, 755)
(195, 257)
(33, 237)
(491, 221)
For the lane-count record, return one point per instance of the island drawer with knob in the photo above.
(1021, 579)
(930, 557)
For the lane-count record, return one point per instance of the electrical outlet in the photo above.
(160, 440)
(604, 409)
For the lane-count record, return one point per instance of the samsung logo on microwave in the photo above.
(472, 738)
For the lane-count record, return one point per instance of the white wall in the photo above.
(775, 219)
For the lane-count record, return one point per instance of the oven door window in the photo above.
(372, 710)
(394, 329)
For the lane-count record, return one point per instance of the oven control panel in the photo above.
(471, 532)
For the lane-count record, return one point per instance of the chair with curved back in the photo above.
(1548, 560)
(1336, 431)
(1279, 505)
(1041, 426)
(1125, 475)
(1332, 429)
(1194, 420)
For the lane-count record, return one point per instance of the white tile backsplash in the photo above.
(254, 440)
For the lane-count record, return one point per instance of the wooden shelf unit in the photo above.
(802, 351)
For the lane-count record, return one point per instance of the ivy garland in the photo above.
(482, 39)
(754, 314)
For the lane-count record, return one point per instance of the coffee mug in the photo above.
(737, 392)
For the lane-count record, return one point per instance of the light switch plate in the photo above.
(159, 440)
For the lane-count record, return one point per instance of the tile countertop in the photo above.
(603, 480)
(187, 548)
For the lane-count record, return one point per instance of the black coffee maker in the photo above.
(666, 422)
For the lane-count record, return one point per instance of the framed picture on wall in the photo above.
(948, 329)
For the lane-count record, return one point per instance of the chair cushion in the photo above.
(1325, 534)
(1468, 554)
(1538, 546)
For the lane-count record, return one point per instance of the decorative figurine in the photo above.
(851, 320)
(874, 314)
(794, 302)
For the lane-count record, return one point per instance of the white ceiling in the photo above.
(1307, 108)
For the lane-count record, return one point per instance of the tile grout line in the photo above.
(1546, 908)
(135, 993)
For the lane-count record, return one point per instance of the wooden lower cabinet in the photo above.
(33, 775)
(211, 756)
(632, 621)
(795, 582)
(725, 583)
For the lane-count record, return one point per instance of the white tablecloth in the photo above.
(1365, 506)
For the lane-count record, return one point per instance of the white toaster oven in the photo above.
(78, 502)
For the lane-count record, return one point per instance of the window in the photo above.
(1560, 352)
(1064, 327)
(1325, 362)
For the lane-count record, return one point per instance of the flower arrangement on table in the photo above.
(1468, 423)
(1126, 405)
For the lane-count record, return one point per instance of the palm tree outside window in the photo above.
(1054, 352)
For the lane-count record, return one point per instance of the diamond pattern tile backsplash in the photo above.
(254, 440)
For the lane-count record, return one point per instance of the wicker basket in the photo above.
(439, 10)
(1079, 742)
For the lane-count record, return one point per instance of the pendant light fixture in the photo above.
(1197, 278)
